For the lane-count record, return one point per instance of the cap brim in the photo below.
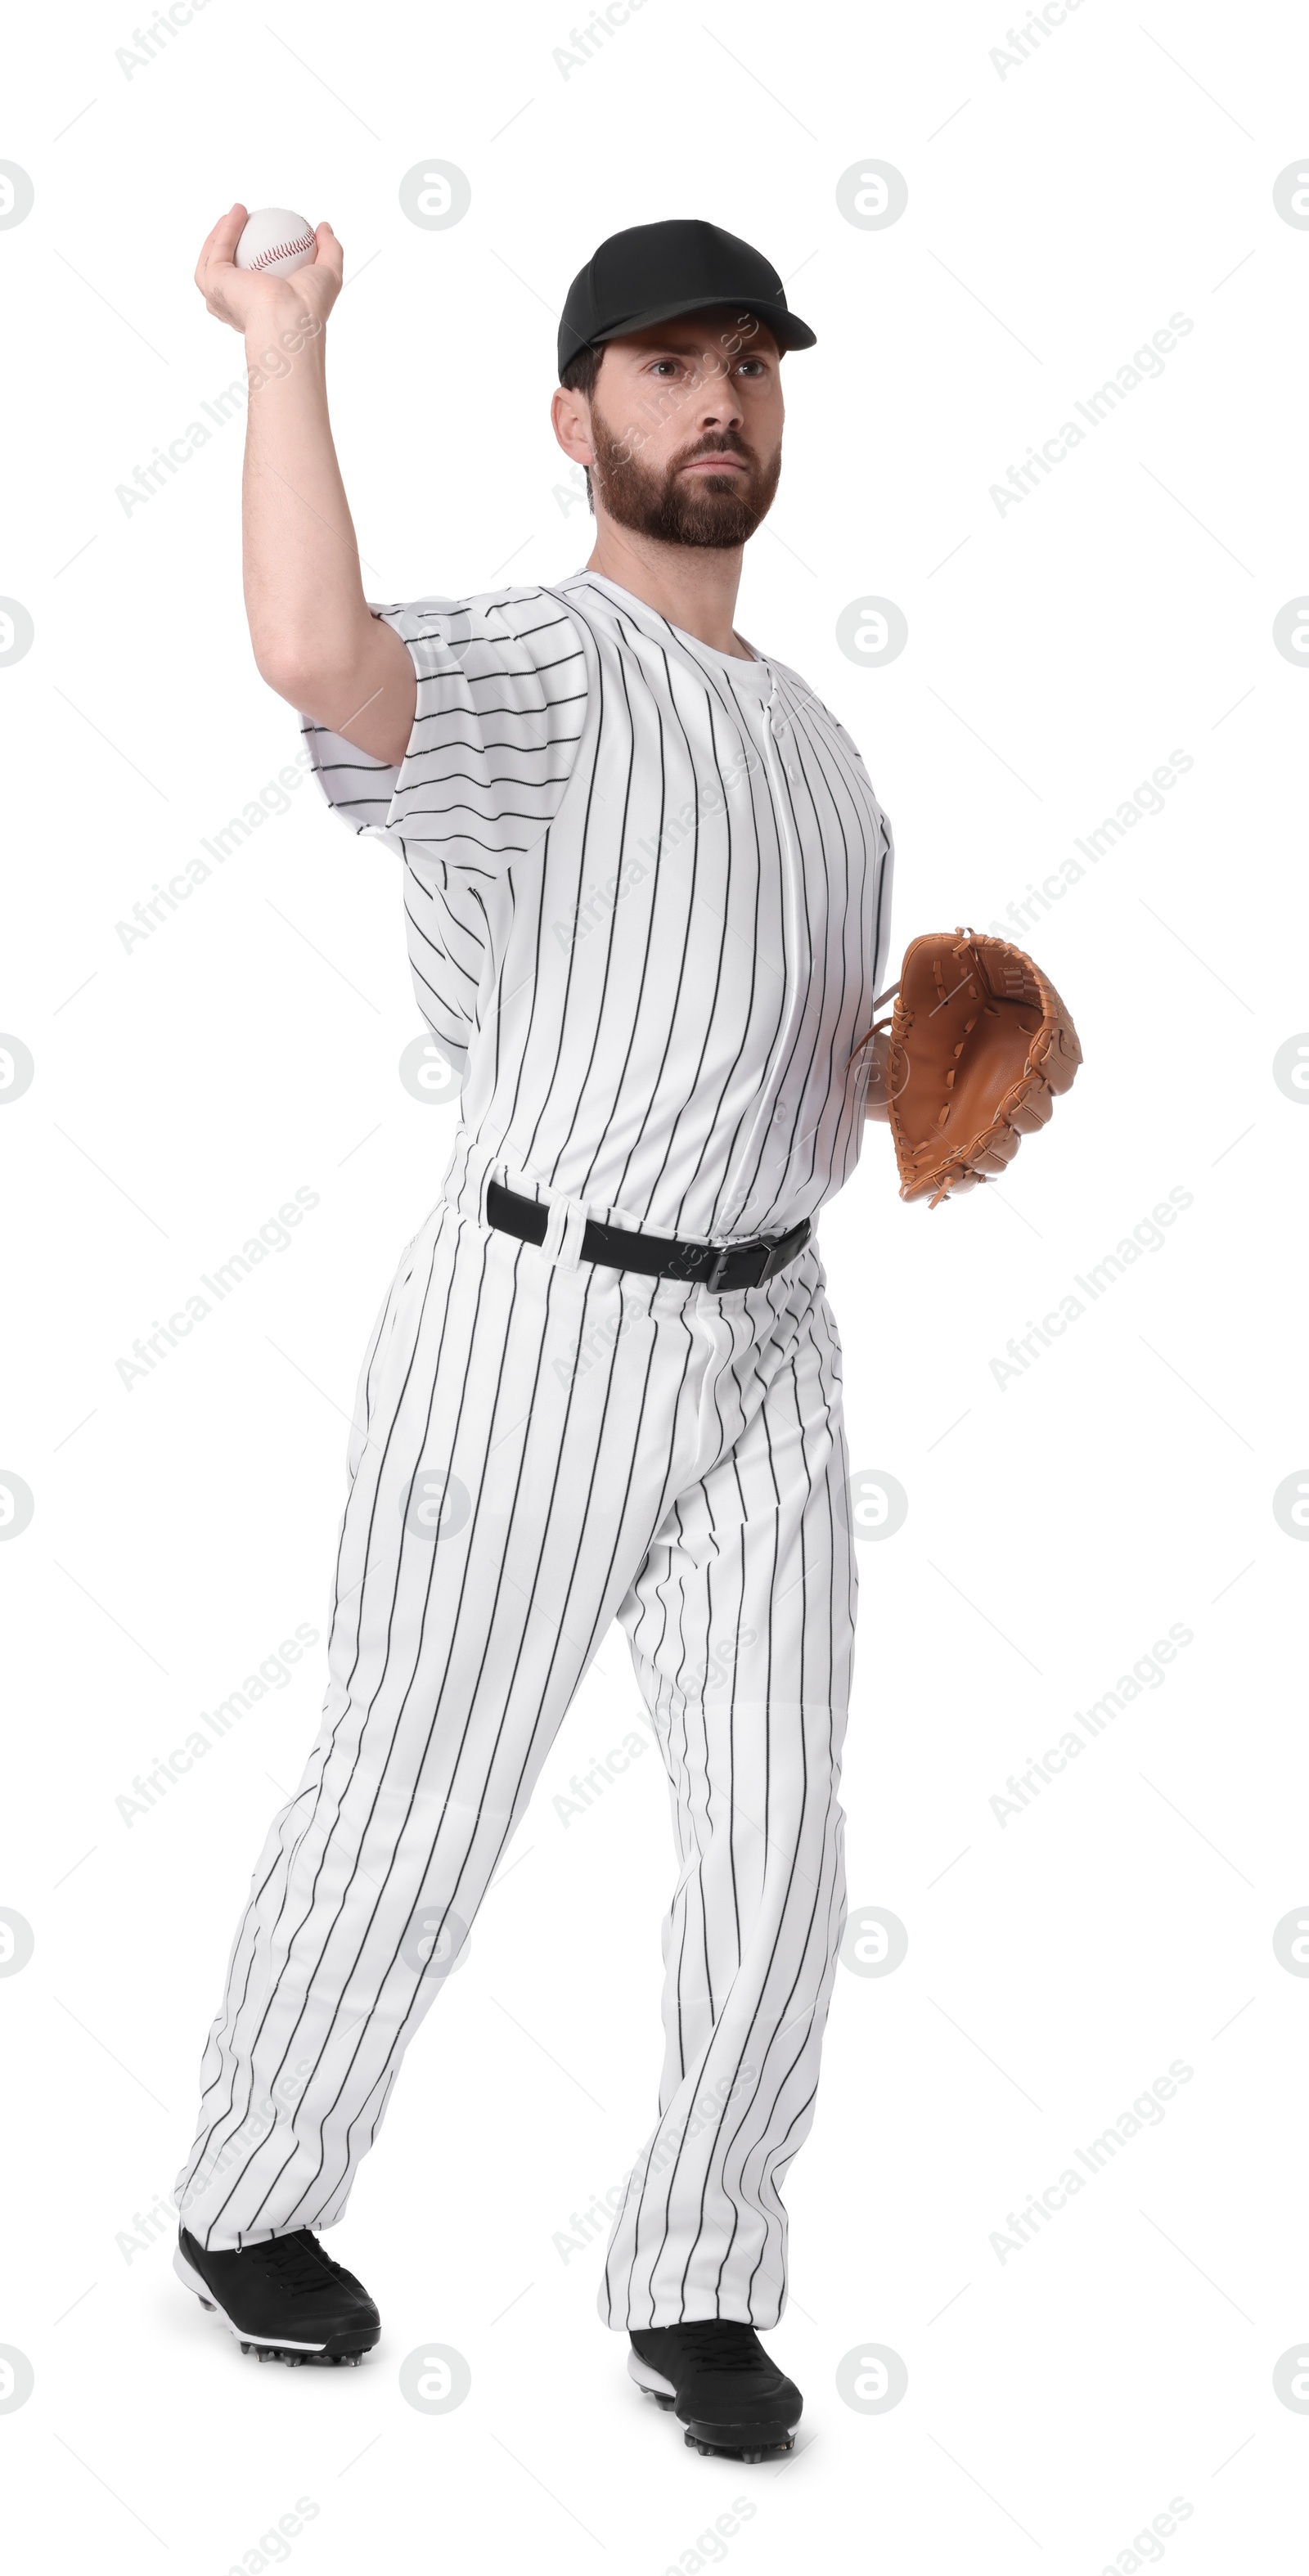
(787, 328)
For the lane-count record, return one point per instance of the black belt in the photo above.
(720, 1266)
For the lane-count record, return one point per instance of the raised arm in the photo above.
(316, 642)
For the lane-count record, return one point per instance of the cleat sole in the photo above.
(721, 2443)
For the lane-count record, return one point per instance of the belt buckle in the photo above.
(755, 1256)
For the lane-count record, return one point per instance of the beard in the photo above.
(696, 510)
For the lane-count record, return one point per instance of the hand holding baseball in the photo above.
(252, 298)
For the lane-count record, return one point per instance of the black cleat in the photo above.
(284, 2299)
(719, 2382)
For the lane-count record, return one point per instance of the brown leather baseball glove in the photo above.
(979, 1043)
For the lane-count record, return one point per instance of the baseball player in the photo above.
(647, 887)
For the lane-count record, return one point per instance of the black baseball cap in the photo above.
(653, 272)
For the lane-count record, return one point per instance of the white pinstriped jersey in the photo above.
(647, 889)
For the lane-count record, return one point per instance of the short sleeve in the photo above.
(501, 698)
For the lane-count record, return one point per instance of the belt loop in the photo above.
(564, 1228)
(552, 1239)
(491, 1171)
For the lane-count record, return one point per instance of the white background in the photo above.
(1059, 211)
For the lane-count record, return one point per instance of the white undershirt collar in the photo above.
(755, 676)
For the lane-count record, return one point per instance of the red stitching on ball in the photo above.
(279, 250)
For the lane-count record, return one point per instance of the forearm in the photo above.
(315, 639)
(303, 590)
(877, 1096)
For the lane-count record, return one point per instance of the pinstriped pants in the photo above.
(542, 1446)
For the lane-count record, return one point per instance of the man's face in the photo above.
(686, 428)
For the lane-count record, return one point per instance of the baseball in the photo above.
(276, 241)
